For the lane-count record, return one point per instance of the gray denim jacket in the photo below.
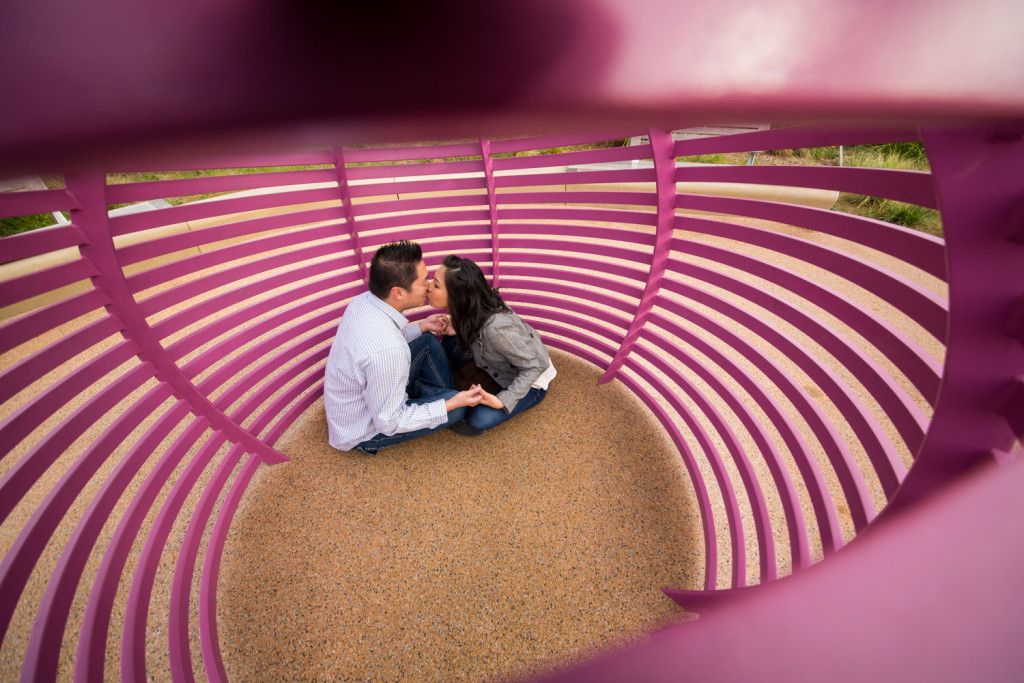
(511, 352)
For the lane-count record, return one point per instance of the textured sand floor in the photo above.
(455, 558)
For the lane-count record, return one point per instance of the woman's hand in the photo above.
(449, 329)
(465, 399)
(436, 323)
(490, 400)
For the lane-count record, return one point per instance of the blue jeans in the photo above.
(486, 417)
(430, 379)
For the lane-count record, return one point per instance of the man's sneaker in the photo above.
(464, 429)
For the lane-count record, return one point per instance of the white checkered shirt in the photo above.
(367, 372)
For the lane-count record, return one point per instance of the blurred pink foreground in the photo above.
(594, 249)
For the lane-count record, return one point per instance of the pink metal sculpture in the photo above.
(627, 278)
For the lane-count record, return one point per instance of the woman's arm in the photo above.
(510, 338)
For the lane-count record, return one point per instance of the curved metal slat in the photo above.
(36, 242)
(19, 561)
(133, 633)
(92, 650)
(178, 618)
(44, 645)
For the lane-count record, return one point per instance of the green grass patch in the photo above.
(708, 159)
(904, 156)
(19, 224)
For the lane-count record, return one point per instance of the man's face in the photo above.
(417, 295)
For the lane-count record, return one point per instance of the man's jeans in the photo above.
(430, 379)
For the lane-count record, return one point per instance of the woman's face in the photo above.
(437, 295)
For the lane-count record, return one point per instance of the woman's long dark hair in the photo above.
(471, 300)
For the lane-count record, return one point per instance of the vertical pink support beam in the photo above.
(90, 190)
(978, 178)
(664, 171)
(350, 218)
(492, 200)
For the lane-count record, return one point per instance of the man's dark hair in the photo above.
(394, 265)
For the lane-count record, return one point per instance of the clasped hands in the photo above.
(438, 323)
(475, 395)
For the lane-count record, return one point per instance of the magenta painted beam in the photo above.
(209, 642)
(92, 646)
(915, 301)
(858, 498)
(980, 209)
(700, 488)
(209, 307)
(35, 242)
(32, 414)
(285, 420)
(886, 598)
(133, 634)
(43, 651)
(912, 187)
(66, 576)
(341, 175)
(664, 167)
(127, 193)
(40, 282)
(766, 547)
(919, 366)
(751, 485)
(92, 218)
(596, 291)
(800, 136)
(135, 222)
(133, 253)
(35, 201)
(492, 203)
(15, 378)
(181, 587)
(20, 330)
(21, 558)
(161, 274)
(914, 247)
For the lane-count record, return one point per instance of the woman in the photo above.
(482, 328)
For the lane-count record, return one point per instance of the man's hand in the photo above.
(467, 398)
(436, 323)
(491, 400)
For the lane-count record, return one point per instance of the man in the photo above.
(388, 381)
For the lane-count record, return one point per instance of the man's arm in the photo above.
(386, 378)
(387, 374)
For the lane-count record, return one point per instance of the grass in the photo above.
(906, 156)
(709, 159)
(17, 224)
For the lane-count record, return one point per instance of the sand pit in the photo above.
(456, 558)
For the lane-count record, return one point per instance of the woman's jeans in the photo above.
(430, 379)
(483, 417)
